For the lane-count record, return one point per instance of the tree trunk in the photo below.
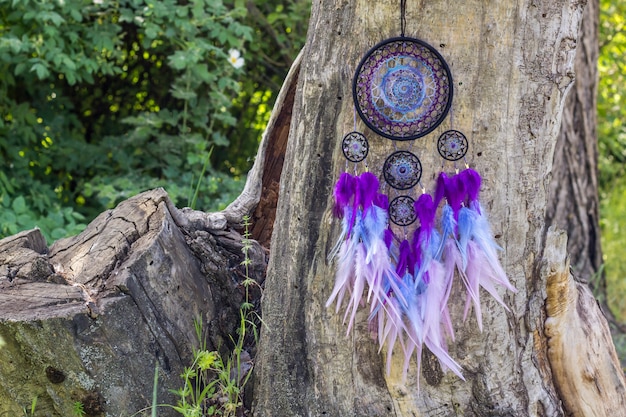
(550, 355)
(89, 319)
(574, 183)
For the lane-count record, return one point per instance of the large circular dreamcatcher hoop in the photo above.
(402, 88)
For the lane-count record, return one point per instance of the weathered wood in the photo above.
(574, 202)
(584, 364)
(90, 319)
(260, 194)
(265, 212)
(512, 65)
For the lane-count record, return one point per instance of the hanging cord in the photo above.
(402, 17)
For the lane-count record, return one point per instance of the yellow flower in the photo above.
(206, 359)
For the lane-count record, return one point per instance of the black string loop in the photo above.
(402, 17)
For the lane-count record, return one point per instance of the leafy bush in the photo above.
(107, 99)
(102, 100)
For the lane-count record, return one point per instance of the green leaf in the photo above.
(26, 221)
(19, 68)
(41, 70)
(184, 94)
(53, 17)
(8, 217)
(178, 61)
(76, 15)
(19, 205)
(6, 184)
(70, 77)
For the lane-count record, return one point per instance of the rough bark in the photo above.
(589, 378)
(89, 319)
(512, 64)
(574, 183)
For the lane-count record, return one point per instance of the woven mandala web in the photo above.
(401, 211)
(355, 147)
(402, 170)
(402, 89)
(452, 145)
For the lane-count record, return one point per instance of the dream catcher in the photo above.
(399, 253)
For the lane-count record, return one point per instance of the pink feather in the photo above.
(454, 261)
(358, 286)
(483, 271)
(343, 278)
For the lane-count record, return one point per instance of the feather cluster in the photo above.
(407, 282)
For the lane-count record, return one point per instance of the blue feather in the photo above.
(466, 223)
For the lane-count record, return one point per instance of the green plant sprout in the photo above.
(78, 409)
(212, 385)
(33, 406)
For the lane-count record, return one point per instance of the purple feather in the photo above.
(440, 189)
(448, 229)
(346, 267)
(426, 210)
(405, 256)
(343, 235)
(480, 269)
(435, 301)
(343, 277)
(344, 192)
(465, 228)
(414, 327)
(455, 194)
(389, 237)
(472, 182)
(454, 261)
(358, 286)
(479, 230)
(367, 190)
(436, 296)
(426, 235)
(382, 201)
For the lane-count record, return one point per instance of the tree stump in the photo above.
(90, 318)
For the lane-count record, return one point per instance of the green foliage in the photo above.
(611, 98)
(56, 223)
(613, 223)
(101, 100)
(106, 99)
(279, 32)
(612, 146)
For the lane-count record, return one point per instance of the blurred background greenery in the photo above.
(612, 150)
(104, 99)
